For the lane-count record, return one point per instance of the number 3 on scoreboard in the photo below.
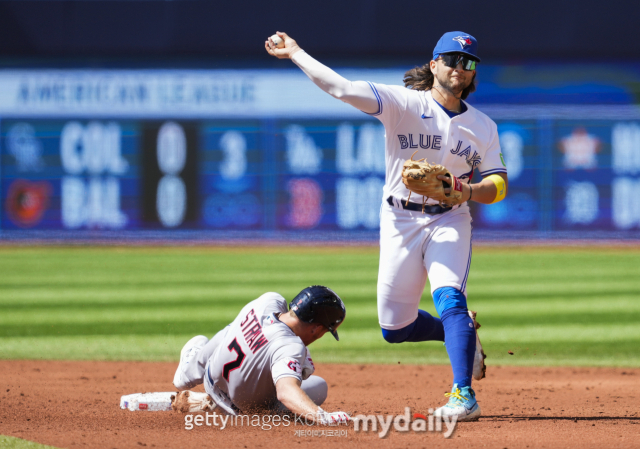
(228, 367)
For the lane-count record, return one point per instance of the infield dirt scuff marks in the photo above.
(76, 404)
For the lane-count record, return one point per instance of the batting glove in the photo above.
(332, 419)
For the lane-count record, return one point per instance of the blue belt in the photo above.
(431, 209)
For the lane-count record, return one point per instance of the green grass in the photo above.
(550, 306)
(18, 443)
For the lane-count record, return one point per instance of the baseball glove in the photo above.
(422, 178)
(192, 401)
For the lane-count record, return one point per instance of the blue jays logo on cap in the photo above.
(462, 40)
(457, 42)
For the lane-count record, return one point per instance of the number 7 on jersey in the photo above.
(235, 364)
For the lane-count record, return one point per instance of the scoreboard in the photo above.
(212, 150)
(568, 174)
(224, 174)
(292, 174)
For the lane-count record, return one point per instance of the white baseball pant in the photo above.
(414, 246)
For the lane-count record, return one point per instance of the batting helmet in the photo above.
(318, 304)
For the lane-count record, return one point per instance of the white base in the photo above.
(151, 402)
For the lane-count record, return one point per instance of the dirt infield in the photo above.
(76, 404)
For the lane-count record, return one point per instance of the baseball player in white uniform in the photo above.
(429, 116)
(260, 362)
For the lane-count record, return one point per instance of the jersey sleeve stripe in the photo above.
(493, 171)
(281, 376)
(468, 174)
(375, 92)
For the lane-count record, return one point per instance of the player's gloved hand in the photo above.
(423, 178)
(453, 181)
(290, 47)
(334, 418)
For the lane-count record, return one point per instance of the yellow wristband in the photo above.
(502, 191)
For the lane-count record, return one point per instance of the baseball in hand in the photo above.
(277, 40)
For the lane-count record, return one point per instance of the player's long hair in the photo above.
(421, 78)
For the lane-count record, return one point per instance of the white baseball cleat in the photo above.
(187, 355)
(479, 368)
(462, 404)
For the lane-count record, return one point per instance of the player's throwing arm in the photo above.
(356, 93)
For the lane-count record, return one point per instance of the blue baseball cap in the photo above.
(457, 42)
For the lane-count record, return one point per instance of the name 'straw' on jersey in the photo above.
(258, 349)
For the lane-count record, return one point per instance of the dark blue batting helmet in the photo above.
(319, 304)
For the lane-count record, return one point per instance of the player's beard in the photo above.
(456, 90)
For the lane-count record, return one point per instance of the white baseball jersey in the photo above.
(255, 353)
(414, 121)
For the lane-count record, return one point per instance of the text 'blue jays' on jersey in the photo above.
(414, 121)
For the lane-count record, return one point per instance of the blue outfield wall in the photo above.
(221, 152)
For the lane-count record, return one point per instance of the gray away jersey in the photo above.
(256, 351)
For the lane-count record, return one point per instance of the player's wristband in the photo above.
(500, 186)
(297, 54)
